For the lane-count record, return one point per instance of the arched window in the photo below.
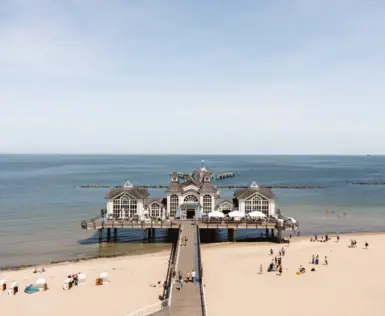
(155, 210)
(207, 203)
(257, 204)
(191, 198)
(125, 206)
(225, 208)
(174, 203)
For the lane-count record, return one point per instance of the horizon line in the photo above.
(179, 154)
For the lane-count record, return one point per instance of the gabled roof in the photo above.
(223, 200)
(207, 188)
(174, 187)
(137, 193)
(190, 182)
(162, 201)
(245, 193)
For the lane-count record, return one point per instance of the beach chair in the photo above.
(3, 285)
(104, 277)
(41, 284)
(82, 279)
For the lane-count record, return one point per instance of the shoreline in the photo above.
(155, 250)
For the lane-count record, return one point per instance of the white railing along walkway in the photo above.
(151, 309)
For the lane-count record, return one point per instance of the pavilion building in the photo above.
(191, 198)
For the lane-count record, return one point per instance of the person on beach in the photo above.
(271, 251)
(283, 251)
(338, 238)
(366, 245)
(180, 276)
(312, 259)
(187, 277)
(317, 259)
(275, 260)
(326, 260)
(261, 269)
(280, 270)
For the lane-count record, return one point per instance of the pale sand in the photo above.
(128, 290)
(352, 284)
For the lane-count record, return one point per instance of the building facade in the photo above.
(191, 198)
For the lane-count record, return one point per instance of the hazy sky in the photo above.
(197, 76)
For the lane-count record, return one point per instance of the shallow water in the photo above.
(41, 208)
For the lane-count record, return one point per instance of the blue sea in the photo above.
(42, 206)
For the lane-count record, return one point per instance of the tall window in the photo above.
(207, 203)
(257, 204)
(155, 210)
(116, 208)
(125, 206)
(190, 198)
(174, 203)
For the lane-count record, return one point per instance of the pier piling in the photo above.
(108, 234)
(232, 234)
(115, 234)
(100, 235)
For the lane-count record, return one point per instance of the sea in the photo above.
(42, 204)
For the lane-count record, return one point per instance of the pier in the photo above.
(225, 175)
(100, 186)
(368, 183)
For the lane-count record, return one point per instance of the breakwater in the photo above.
(91, 186)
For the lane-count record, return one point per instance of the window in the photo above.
(155, 210)
(116, 208)
(126, 205)
(174, 203)
(190, 198)
(207, 204)
(257, 204)
(225, 208)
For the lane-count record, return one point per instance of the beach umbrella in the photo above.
(236, 214)
(216, 214)
(256, 214)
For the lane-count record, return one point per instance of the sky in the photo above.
(198, 76)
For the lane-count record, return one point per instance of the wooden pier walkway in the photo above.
(186, 301)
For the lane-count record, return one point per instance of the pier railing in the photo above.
(200, 266)
(151, 309)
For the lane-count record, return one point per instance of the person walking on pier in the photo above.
(180, 279)
(193, 275)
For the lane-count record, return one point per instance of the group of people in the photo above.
(353, 244)
(276, 263)
(315, 259)
(184, 241)
(322, 238)
(189, 277)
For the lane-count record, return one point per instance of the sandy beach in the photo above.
(129, 288)
(351, 283)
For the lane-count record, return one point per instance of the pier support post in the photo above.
(272, 233)
(213, 235)
(115, 234)
(267, 233)
(100, 236)
(232, 234)
(153, 234)
(148, 231)
(108, 234)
